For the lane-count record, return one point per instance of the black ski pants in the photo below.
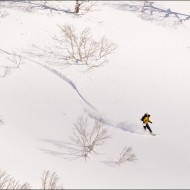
(147, 127)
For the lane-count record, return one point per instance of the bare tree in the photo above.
(82, 49)
(126, 155)
(50, 181)
(15, 62)
(8, 182)
(86, 139)
(78, 6)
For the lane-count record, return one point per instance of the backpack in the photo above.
(143, 117)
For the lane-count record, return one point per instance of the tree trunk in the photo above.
(145, 2)
(77, 7)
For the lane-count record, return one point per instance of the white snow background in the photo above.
(149, 72)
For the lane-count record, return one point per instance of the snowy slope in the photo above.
(148, 73)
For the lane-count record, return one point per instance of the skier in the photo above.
(146, 120)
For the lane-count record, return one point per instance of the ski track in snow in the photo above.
(125, 126)
(57, 73)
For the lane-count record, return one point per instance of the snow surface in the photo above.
(148, 73)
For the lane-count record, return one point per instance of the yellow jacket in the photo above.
(147, 120)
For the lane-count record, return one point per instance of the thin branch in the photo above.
(82, 49)
(125, 156)
(7, 182)
(50, 181)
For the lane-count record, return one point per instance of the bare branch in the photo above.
(82, 49)
(7, 182)
(126, 155)
(86, 138)
(106, 48)
(50, 181)
(88, 7)
(16, 62)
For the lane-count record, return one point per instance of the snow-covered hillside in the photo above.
(42, 99)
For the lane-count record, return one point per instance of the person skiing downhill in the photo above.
(146, 121)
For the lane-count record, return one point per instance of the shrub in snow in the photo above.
(125, 156)
(81, 48)
(8, 182)
(86, 139)
(15, 62)
(50, 180)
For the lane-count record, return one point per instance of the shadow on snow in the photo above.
(152, 12)
(37, 6)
